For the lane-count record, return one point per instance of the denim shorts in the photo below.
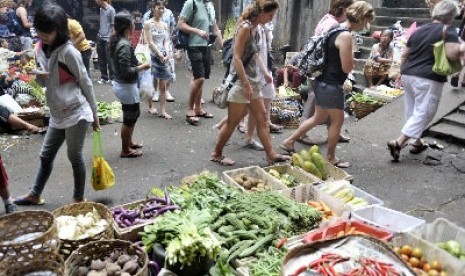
(236, 94)
(160, 70)
(328, 96)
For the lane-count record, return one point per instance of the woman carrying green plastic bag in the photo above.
(102, 174)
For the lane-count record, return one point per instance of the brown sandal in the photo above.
(223, 161)
(394, 149)
(417, 149)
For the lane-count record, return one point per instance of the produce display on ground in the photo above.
(206, 226)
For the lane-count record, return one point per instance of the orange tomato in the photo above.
(414, 262)
(407, 250)
(436, 265)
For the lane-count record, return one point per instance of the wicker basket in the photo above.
(33, 263)
(39, 114)
(101, 249)
(363, 109)
(68, 246)
(39, 226)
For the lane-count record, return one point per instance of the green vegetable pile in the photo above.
(185, 235)
(37, 92)
(268, 262)
(361, 98)
(109, 111)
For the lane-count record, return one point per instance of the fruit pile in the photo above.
(312, 162)
(415, 258)
(454, 248)
(251, 183)
(288, 180)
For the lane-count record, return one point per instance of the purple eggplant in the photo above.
(166, 208)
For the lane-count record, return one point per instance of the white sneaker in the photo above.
(169, 97)
(156, 96)
(103, 81)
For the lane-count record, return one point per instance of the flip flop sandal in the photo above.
(417, 149)
(340, 164)
(165, 116)
(193, 120)
(132, 154)
(394, 149)
(205, 115)
(275, 129)
(153, 111)
(286, 149)
(278, 159)
(241, 129)
(22, 200)
(223, 161)
(136, 146)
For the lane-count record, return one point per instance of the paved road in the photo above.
(174, 149)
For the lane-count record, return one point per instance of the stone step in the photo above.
(403, 12)
(368, 41)
(461, 109)
(455, 118)
(359, 78)
(364, 52)
(405, 22)
(449, 131)
(360, 64)
(404, 4)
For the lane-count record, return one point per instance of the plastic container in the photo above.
(430, 252)
(331, 231)
(370, 199)
(255, 172)
(388, 219)
(442, 230)
(299, 175)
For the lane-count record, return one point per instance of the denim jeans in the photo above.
(74, 137)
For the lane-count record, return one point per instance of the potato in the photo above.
(123, 259)
(97, 265)
(131, 267)
(113, 269)
(248, 185)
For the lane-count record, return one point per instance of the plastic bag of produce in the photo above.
(146, 83)
(102, 174)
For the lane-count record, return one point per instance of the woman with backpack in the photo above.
(246, 92)
(329, 94)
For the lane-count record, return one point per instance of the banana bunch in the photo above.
(312, 162)
(229, 28)
(348, 196)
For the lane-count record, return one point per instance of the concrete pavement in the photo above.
(174, 149)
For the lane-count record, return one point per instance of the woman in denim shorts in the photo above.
(328, 90)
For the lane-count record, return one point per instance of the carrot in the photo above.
(314, 203)
(325, 206)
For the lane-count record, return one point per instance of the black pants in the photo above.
(106, 72)
(86, 59)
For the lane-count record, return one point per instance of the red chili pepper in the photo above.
(332, 270)
(316, 263)
(281, 243)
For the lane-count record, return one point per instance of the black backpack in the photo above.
(313, 53)
(180, 39)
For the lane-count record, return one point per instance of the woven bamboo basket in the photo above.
(101, 249)
(68, 246)
(363, 109)
(38, 263)
(39, 114)
(27, 232)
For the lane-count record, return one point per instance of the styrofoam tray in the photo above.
(430, 251)
(370, 199)
(253, 171)
(388, 219)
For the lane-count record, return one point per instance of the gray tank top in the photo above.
(250, 50)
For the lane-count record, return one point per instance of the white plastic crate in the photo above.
(253, 171)
(430, 252)
(300, 176)
(388, 219)
(442, 230)
(370, 199)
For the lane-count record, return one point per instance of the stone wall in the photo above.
(296, 20)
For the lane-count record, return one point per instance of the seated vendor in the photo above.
(381, 57)
(289, 75)
(9, 122)
(6, 55)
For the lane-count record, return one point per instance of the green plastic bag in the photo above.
(102, 174)
(442, 65)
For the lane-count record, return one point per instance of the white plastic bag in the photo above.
(146, 83)
(142, 50)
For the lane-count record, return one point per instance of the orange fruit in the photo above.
(414, 262)
(443, 273)
(397, 250)
(433, 272)
(407, 250)
(405, 258)
(435, 265)
(417, 252)
(426, 267)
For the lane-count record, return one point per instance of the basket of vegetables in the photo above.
(27, 232)
(39, 263)
(130, 219)
(108, 257)
(290, 176)
(81, 223)
(362, 105)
